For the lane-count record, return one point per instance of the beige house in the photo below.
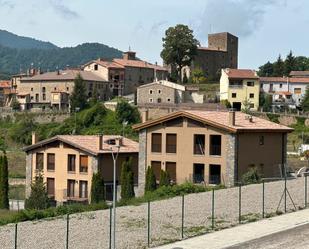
(166, 92)
(68, 163)
(240, 87)
(42, 88)
(211, 147)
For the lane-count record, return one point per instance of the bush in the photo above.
(164, 179)
(127, 180)
(97, 188)
(127, 113)
(150, 184)
(251, 176)
(226, 103)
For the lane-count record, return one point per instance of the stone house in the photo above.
(240, 87)
(69, 161)
(211, 147)
(51, 89)
(165, 92)
(5, 93)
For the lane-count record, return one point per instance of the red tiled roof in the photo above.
(241, 73)
(284, 79)
(299, 73)
(108, 64)
(138, 63)
(221, 121)
(283, 93)
(5, 84)
(89, 143)
(65, 75)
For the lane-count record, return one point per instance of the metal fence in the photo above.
(159, 222)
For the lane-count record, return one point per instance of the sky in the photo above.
(266, 28)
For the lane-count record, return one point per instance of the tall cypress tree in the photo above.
(289, 64)
(1, 181)
(164, 178)
(97, 188)
(79, 96)
(150, 184)
(4, 186)
(279, 67)
(127, 180)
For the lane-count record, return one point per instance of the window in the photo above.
(251, 96)
(215, 145)
(43, 89)
(50, 185)
(250, 83)
(214, 174)
(68, 88)
(297, 90)
(168, 100)
(233, 95)
(251, 105)
(31, 89)
(280, 85)
(171, 170)
(199, 144)
(71, 163)
(150, 100)
(39, 161)
(71, 188)
(171, 143)
(156, 142)
(159, 100)
(150, 91)
(95, 67)
(44, 96)
(83, 164)
(261, 140)
(159, 91)
(83, 189)
(198, 172)
(50, 161)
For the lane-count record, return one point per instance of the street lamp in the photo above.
(115, 157)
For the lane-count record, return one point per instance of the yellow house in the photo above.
(69, 161)
(241, 87)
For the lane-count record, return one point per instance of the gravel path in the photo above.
(91, 230)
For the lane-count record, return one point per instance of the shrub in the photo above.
(251, 176)
(150, 184)
(97, 188)
(127, 113)
(164, 178)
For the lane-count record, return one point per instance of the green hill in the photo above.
(22, 52)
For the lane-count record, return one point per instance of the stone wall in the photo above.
(142, 158)
(231, 160)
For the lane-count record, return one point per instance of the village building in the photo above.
(299, 74)
(126, 74)
(241, 88)
(166, 92)
(285, 91)
(5, 93)
(51, 90)
(212, 147)
(68, 163)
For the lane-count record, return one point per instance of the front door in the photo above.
(198, 172)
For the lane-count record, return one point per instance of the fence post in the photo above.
(148, 233)
(239, 205)
(263, 198)
(213, 210)
(182, 214)
(285, 193)
(16, 236)
(110, 227)
(305, 190)
(68, 226)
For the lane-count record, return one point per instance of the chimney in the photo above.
(144, 115)
(100, 142)
(119, 141)
(232, 117)
(34, 138)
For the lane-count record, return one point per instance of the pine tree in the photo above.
(279, 67)
(150, 184)
(79, 96)
(127, 180)
(38, 198)
(164, 178)
(289, 64)
(97, 188)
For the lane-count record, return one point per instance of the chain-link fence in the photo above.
(158, 222)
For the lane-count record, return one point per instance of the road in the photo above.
(289, 239)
